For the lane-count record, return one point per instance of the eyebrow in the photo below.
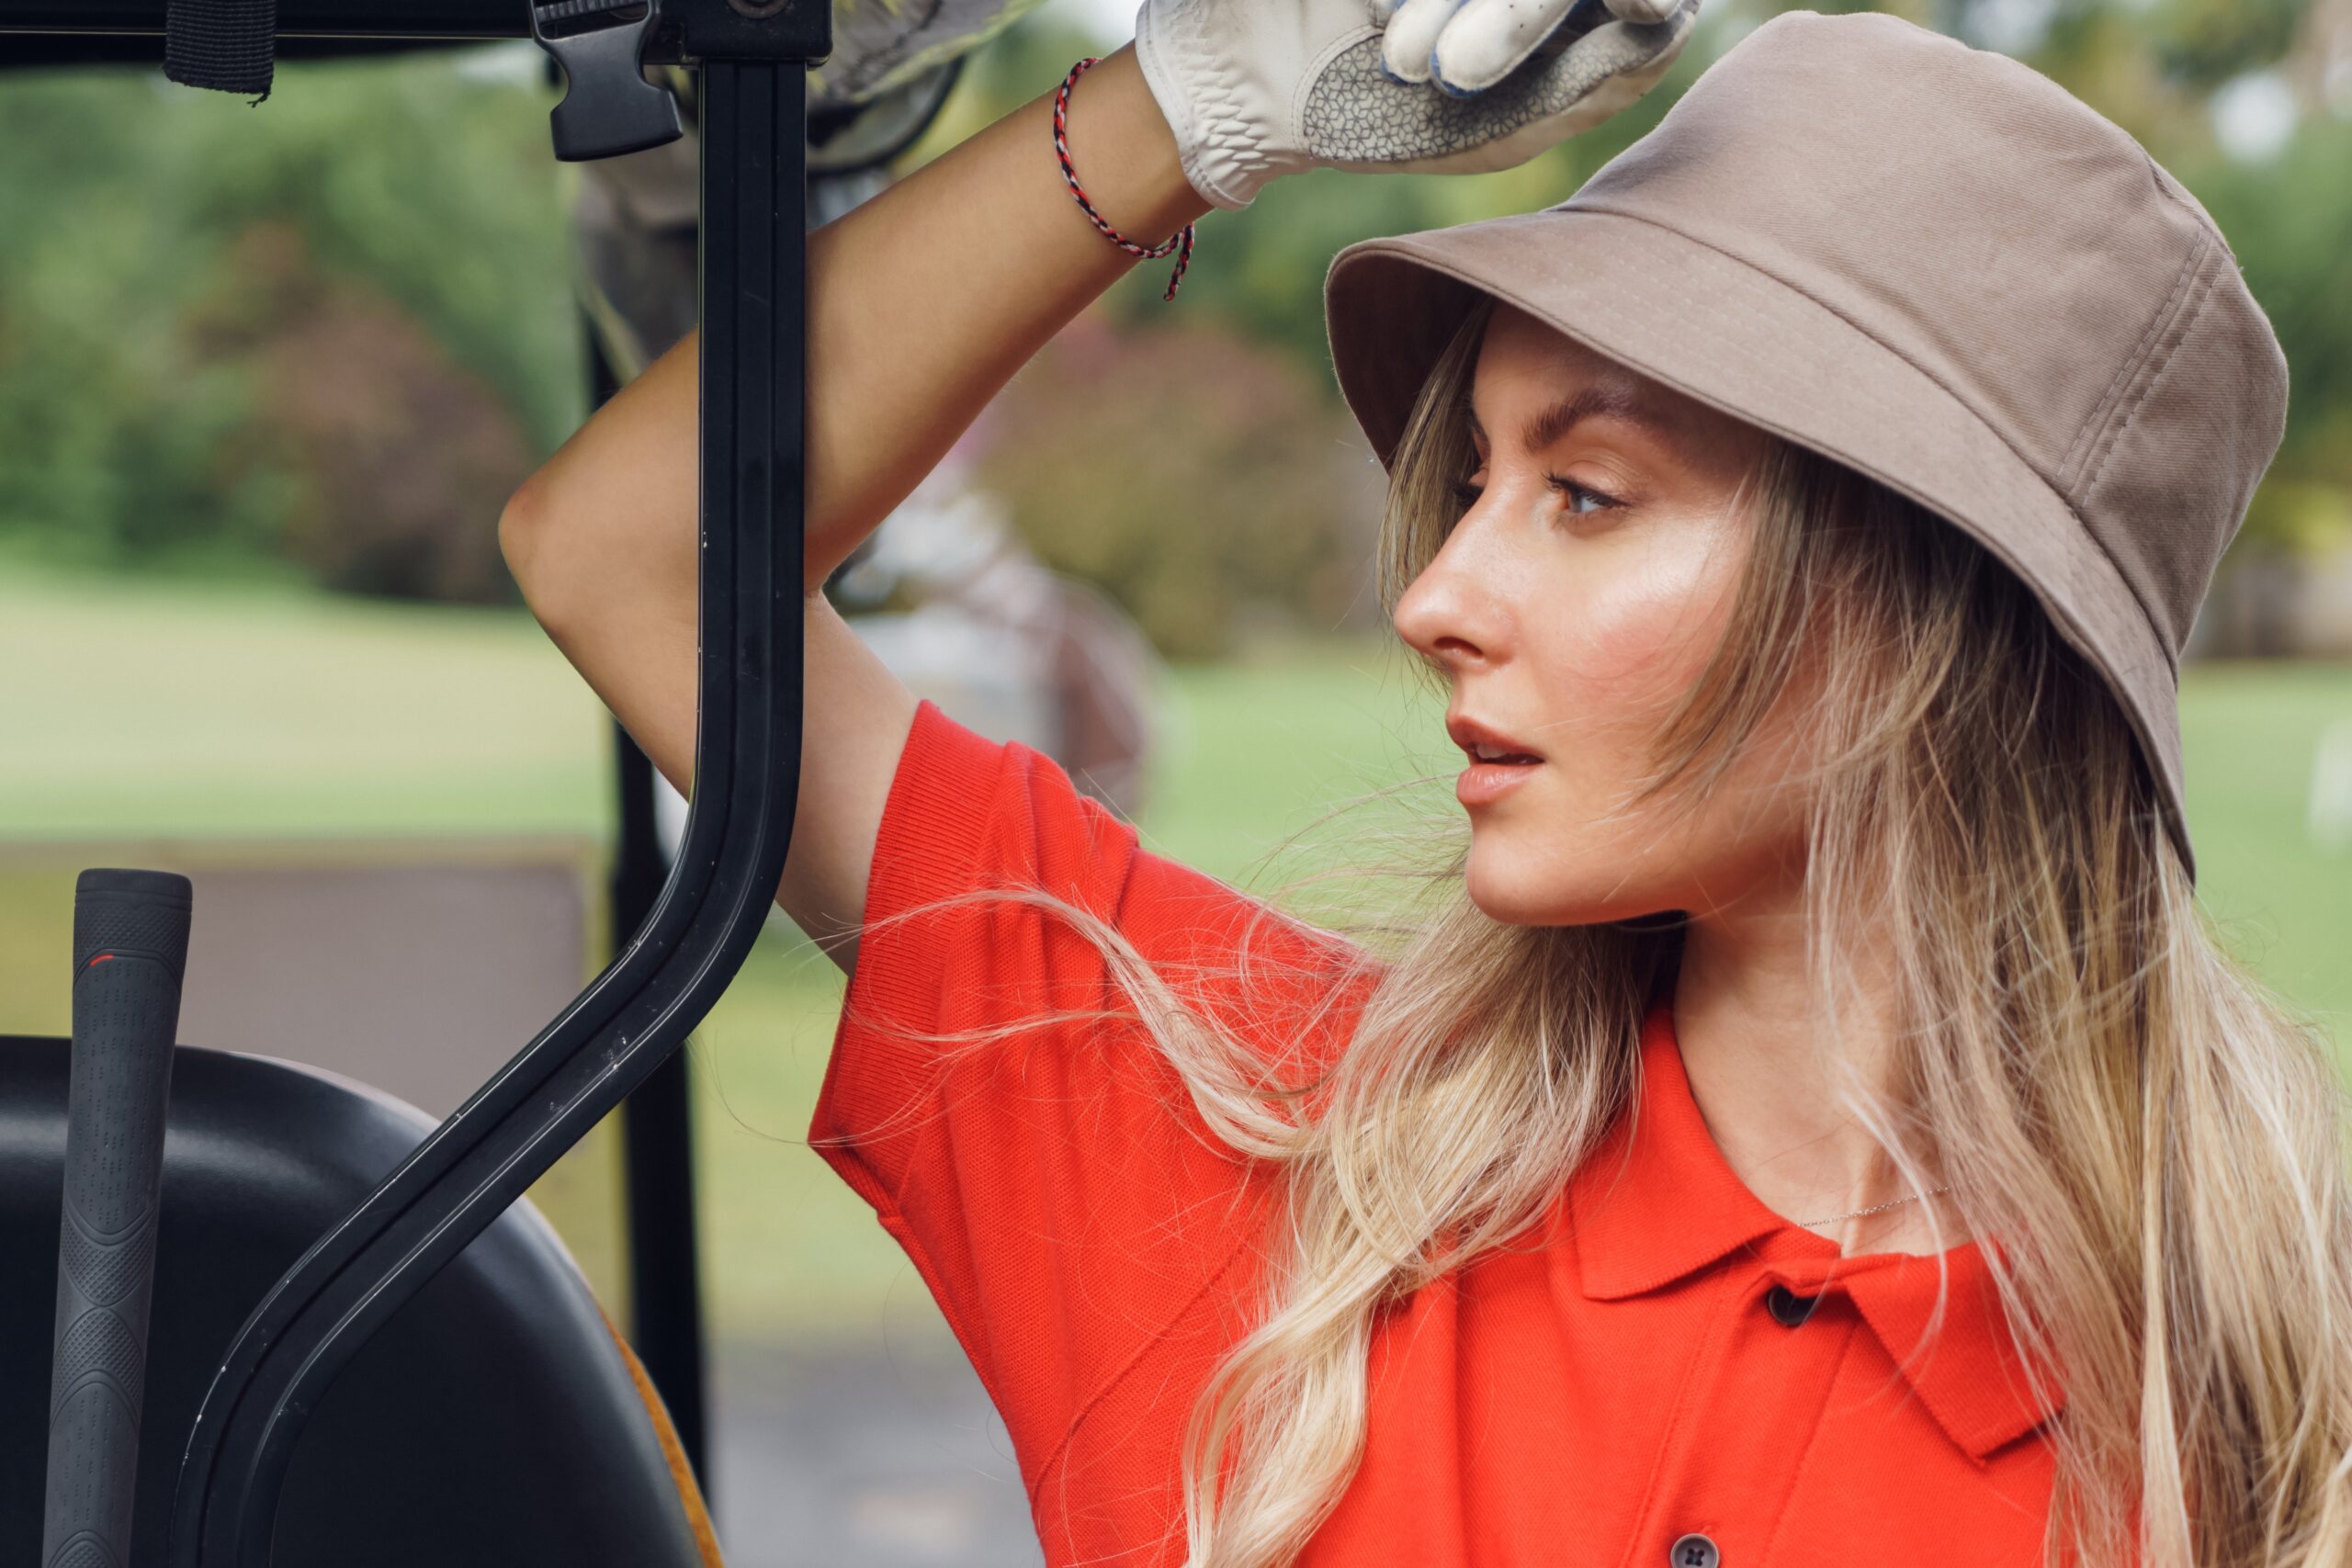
(1611, 398)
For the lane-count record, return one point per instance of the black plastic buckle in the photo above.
(608, 106)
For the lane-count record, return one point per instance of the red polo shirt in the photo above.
(1640, 1385)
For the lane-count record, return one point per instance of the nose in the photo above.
(1452, 614)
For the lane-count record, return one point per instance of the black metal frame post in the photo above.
(408, 19)
(658, 1153)
(747, 777)
(657, 1121)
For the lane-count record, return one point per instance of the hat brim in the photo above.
(1734, 337)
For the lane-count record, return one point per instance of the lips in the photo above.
(1484, 743)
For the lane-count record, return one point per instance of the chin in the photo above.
(1509, 885)
(1505, 887)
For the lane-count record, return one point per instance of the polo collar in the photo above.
(1656, 1202)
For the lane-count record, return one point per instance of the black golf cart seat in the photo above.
(497, 1421)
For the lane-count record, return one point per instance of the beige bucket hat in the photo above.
(1930, 263)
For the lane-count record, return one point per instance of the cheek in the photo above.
(1635, 627)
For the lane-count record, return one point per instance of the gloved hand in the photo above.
(1256, 88)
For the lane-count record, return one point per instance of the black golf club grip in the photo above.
(129, 948)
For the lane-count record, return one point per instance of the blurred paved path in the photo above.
(886, 1457)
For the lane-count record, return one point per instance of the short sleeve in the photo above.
(1059, 1192)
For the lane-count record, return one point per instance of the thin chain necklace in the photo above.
(1877, 1208)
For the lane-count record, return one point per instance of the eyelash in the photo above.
(1467, 493)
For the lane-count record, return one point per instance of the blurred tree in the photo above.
(2203, 43)
(2289, 223)
(141, 424)
(400, 457)
(1194, 476)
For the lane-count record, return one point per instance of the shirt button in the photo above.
(1787, 1307)
(1694, 1552)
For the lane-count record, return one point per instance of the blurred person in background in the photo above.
(1800, 1115)
(944, 588)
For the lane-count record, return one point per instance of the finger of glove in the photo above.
(1609, 67)
(1351, 117)
(1623, 57)
(1641, 10)
(1485, 40)
(1411, 33)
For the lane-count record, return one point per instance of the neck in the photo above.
(1759, 1053)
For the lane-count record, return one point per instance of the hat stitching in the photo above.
(1992, 428)
(2056, 570)
(2069, 469)
(2169, 185)
(2157, 368)
(1931, 376)
(2160, 367)
(2150, 374)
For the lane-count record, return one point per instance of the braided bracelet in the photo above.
(1181, 242)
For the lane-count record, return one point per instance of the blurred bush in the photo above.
(1201, 479)
(399, 457)
(328, 334)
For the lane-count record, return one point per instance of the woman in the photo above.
(1807, 1121)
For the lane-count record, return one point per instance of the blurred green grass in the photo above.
(174, 709)
(143, 710)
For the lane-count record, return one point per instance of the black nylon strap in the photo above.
(229, 45)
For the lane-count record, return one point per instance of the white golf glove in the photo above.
(1256, 88)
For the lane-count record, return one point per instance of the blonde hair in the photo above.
(2159, 1148)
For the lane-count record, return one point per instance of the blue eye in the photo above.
(1468, 494)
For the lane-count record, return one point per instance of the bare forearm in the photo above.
(856, 716)
(922, 304)
(932, 295)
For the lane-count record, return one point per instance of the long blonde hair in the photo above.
(2159, 1148)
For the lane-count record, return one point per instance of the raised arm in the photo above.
(923, 303)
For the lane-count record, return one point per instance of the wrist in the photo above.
(1127, 152)
(1224, 154)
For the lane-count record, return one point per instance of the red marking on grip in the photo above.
(101, 958)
